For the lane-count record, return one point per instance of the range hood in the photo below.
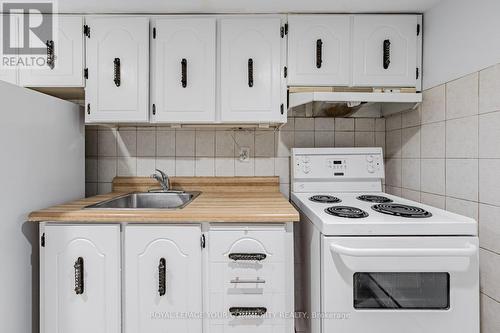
(364, 102)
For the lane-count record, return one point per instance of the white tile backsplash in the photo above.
(410, 140)
(205, 143)
(489, 88)
(490, 273)
(224, 167)
(489, 135)
(184, 143)
(489, 181)
(461, 178)
(127, 143)
(344, 124)
(462, 97)
(463, 207)
(433, 140)
(490, 320)
(489, 227)
(433, 176)
(434, 105)
(165, 143)
(462, 138)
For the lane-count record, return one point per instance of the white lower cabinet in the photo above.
(162, 279)
(80, 279)
(227, 279)
(251, 279)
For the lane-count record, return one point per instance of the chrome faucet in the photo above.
(163, 179)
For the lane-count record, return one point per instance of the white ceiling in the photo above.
(243, 6)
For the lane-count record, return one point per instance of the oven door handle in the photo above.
(468, 251)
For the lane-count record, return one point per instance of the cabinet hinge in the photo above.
(285, 71)
(282, 108)
(154, 33)
(88, 108)
(42, 240)
(154, 109)
(202, 241)
(86, 73)
(418, 29)
(418, 73)
(284, 30)
(86, 30)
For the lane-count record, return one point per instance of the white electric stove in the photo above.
(375, 262)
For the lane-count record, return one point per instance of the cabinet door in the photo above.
(319, 50)
(183, 70)
(250, 69)
(66, 70)
(81, 279)
(162, 278)
(10, 74)
(117, 89)
(385, 50)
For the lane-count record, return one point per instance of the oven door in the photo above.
(400, 284)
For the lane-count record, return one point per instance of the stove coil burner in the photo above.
(325, 199)
(347, 212)
(374, 198)
(401, 210)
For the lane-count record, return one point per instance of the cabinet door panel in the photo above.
(397, 34)
(125, 39)
(184, 45)
(97, 307)
(319, 50)
(250, 69)
(178, 249)
(68, 63)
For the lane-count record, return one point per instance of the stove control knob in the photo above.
(306, 169)
(369, 158)
(306, 159)
(370, 169)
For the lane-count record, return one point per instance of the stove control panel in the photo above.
(331, 163)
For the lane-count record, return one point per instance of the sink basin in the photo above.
(148, 200)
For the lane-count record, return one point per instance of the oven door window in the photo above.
(403, 291)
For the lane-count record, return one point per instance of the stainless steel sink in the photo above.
(148, 200)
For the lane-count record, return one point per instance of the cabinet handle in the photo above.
(117, 72)
(51, 57)
(162, 277)
(247, 311)
(250, 72)
(238, 280)
(247, 256)
(79, 286)
(184, 72)
(319, 53)
(387, 53)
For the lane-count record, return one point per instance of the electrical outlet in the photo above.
(244, 154)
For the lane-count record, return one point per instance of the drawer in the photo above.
(274, 304)
(241, 278)
(266, 240)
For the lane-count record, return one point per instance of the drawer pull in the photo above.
(238, 280)
(250, 72)
(247, 311)
(247, 256)
(162, 277)
(79, 286)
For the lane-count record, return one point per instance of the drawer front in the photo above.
(228, 243)
(242, 278)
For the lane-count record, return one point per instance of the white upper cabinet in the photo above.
(64, 65)
(385, 50)
(183, 69)
(81, 279)
(162, 276)
(251, 69)
(319, 50)
(117, 88)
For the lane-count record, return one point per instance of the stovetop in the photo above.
(380, 214)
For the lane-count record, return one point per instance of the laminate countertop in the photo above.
(222, 199)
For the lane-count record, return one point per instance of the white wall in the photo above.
(460, 37)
